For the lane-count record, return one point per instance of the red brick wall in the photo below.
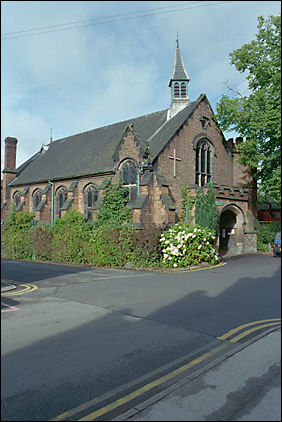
(45, 214)
(225, 170)
(222, 163)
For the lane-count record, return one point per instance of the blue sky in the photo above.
(77, 65)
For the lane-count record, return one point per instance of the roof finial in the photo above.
(177, 44)
(51, 139)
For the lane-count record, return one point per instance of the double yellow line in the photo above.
(127, 398)
(264, 323)
(27, 288)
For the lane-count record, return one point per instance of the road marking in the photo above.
(240, 327)
(27, 288)
(137, 392)
(150, 386)
(209, 268)
(118, 276)
(127, 398)
(11, 308)
(131, 384)
(179, 270)
(251, 330)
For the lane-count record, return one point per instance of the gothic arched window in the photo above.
(37, 196)
(203, 163)
(61, 197)
(90, 196)
(183, 90)
(128, 178)
(176, 89)
(17, 198)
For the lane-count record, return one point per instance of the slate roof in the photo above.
(86, 153)
(178, 72)
(160, 138)
(91, 153)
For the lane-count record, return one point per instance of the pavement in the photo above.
(245, 386)
(6, 286)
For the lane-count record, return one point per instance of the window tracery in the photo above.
(203, 174)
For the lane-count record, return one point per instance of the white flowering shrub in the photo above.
(183, 246)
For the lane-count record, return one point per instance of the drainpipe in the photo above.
(145, 165)
(138, 179)
(52, 211)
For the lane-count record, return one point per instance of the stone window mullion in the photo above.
(203, 165)
(128, 177)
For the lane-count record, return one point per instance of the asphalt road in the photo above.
(82, 338)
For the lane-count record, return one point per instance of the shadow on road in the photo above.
(62, 371)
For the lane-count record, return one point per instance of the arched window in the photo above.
(176, 90)
(203, 163)
(61, 197)
(183, 90)
(17, 198)
(37, 196)
(128, 178)
(90, 196)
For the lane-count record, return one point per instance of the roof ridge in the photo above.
(156, 144)
(112, 124)
(168, 120)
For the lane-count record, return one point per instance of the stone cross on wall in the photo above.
(174, 158)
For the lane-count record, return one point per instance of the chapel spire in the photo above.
(178, 84)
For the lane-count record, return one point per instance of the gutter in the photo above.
(52, 210)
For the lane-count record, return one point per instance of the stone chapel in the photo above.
(153, 156)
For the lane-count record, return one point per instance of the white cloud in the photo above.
(76, 80)
(33, 132)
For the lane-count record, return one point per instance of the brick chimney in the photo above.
(10, 153)
(9, 172)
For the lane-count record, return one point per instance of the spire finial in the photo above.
(177, 44)
(51, 139)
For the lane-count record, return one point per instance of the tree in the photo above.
(205, 211)
(257, 117)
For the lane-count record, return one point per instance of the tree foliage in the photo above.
(257, 117)
(188, 202)
(114, 211)
(205, 212)
(15, 235)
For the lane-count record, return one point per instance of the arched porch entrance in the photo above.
(231, 230)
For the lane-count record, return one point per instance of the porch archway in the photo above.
(231, 230)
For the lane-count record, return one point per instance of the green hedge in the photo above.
(72, 240)
(16, 235)
(266, 234)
